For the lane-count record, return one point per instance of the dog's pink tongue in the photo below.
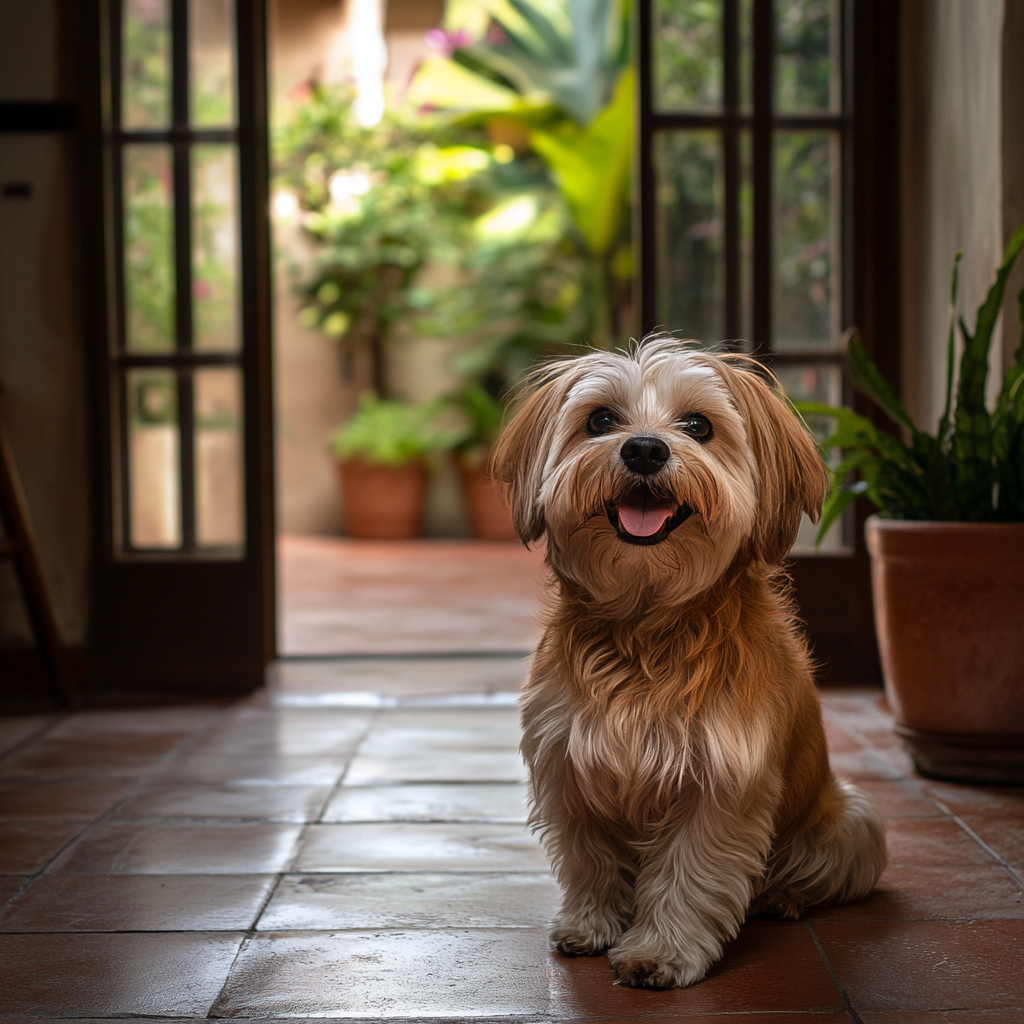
(646, 517)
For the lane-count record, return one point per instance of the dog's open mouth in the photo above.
(642, 517)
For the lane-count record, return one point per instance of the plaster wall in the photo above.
(42, 364)
(958, 124)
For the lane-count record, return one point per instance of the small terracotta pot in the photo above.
(949, 613)
(383, 502)
(489, 516)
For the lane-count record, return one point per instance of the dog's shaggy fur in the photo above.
(678, 769)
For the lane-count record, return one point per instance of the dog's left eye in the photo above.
(696, 426)
(601, 421)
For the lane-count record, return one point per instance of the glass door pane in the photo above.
(215, 234)
(219, 490)
(688, 55)
(690, 219)
(807, 56)
(146, 64)
(806, 225)
(154, 452)
(212, 62)
(178, 365)
(149, 284)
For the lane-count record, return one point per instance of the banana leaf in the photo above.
(591, 166)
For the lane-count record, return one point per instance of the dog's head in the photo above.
(657, 469)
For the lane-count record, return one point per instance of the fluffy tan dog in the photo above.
(678, 769)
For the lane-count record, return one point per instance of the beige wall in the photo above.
(958, 148)
(42, 365)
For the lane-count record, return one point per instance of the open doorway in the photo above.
(484, 273)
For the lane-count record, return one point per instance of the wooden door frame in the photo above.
(168, 623)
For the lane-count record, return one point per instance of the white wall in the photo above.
(954, 137)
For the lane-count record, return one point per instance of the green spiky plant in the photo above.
(972, 468)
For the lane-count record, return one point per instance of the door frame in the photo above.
(181, 621)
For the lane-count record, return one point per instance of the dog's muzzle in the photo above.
(642, 517)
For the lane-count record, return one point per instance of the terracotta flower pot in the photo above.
(489, 516)
(383, 502)
(949, 612)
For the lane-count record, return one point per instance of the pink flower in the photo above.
(446, 43)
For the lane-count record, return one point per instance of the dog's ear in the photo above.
(792, 476)
(520, 454)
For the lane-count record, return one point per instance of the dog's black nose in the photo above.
(644, 454)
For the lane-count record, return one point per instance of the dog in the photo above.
(679, 778)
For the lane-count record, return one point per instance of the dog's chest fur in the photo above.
(616, 729)
(642, 718)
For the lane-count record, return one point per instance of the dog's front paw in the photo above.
(641, 963)
(777, 904)
(587, 937)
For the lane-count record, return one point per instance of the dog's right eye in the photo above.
(601, 421)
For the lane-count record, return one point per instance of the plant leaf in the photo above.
(972, 427)
(868, 378)
(1008, 433)
(838, 501)
(944, 422)
(591, 166)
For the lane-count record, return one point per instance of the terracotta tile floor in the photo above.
(348, 844)
(343, 596)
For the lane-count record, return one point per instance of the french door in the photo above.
(767, 152)
(185, 563)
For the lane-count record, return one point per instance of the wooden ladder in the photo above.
(19, 546)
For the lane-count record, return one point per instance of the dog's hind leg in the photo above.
(837, 861)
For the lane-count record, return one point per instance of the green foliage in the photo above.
(146, 74)
(804, 58)
(556, 70)
(591, 165)
(536, 232)
(425, 191)
(804, 237)
(384, 432)
(972, 468)
(149, 249)
(483, 416)
(525, 294)
(561, 54)
(378, 203)
(688, 49)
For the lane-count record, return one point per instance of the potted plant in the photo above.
(382, 453)
(947, 551)
(486, 507)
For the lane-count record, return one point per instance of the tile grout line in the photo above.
(844, 994)
(1004, 864)
(918, 788)
(252, 930)
(58, 718)
(140, 783)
